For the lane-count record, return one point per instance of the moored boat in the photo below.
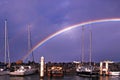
(4, 71)
(55, 71)
(86, 72)
(114, 73)
(23, 71)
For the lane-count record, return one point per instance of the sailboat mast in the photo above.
(82, 44)
(90, 47)
(5, 41)
(7, 54)
(29, 41)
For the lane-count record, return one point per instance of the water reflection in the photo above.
(4, 77)
(66, 77)
(104, 78)
(83, 78)
(21, 78)
(31, 77)
(109, 77)
(17, 78)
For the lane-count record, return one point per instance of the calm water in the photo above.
(70, 77)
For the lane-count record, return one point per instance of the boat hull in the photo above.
(22, 73)
(55, 74)
(114, 73)
(55, 71)
(88, 74)
(4, 72)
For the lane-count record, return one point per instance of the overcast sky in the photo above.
(48, 16)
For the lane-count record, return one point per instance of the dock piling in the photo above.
(42, 67)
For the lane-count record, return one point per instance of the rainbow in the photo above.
(67, 29)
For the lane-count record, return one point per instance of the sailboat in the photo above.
(86, 71)
(4, 68)
(25, 70)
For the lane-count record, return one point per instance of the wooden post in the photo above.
(42, 67)
(106, 68)
(101, 65)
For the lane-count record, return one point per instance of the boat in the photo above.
(55, 71)
(4, 72)
(86, 70)
(4, 68)
(23, 71)
(114, 73)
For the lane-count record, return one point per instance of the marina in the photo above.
(57, 70)
(59, 40)
(104, 69)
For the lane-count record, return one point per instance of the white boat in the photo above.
(4, 72)
(23, 71)
(114, 73)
